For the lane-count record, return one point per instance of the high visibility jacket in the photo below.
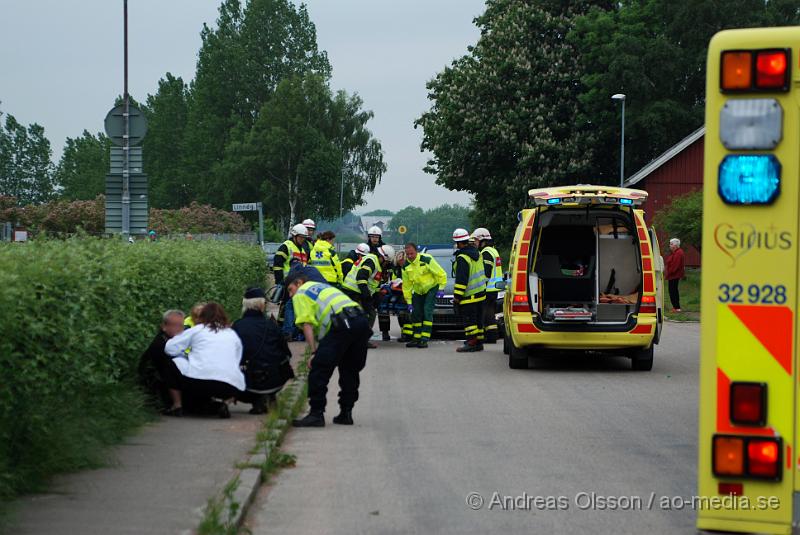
(324, 258)
(287, 252)
(317, 303)
(470, 278)
(349, 261)
(492, 268)
(364, 277)
(422, 275)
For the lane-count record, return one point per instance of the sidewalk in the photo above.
(158, 481)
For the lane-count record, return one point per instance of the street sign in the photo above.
(135, 161)
(402, 229)
(115, 125)
(139, 208)
(246, 207)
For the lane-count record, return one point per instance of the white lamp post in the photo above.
(621, 97)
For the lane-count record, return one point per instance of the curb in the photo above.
(237, 495)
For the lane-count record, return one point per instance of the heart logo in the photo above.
(741, 247)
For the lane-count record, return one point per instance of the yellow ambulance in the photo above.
(585, 274)
(748, 459)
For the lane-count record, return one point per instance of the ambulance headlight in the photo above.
(749, 179)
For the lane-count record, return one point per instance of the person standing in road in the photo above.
(375, 241)
(423, 282)
(324, 258)
(493, 269)
(293, 250)
(339, 324)
(675, 272)
(406, 329)
(469, 290)
(311, 227)
(363, 281)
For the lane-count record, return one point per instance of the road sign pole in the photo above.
(260, 224)
(126, 192)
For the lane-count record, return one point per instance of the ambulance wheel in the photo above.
(506, 345)
(642, 359)
(517, 358)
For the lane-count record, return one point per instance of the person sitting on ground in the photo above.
(154, 362)
(211, 369)
(265, 354)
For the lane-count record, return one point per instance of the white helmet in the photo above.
(362, 249)
(375, 231)
(481, 234)
(299, 230)
(309, 224)
(386, 251)
(460, 234)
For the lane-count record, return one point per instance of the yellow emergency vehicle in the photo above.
(747, 453)
(585, 274)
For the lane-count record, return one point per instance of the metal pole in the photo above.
(260, 225)
(126, 192)
(622, 149)
(341, 194)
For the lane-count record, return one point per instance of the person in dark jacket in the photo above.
(154, 361)
(469, 290)
(675, 272)
(265, 354)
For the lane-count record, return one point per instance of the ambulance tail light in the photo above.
(750, 457)
(733, 489)
(748, 404)
(520, 304)
(772, 70)
(752, 71)
(764, 458)
(648, 305)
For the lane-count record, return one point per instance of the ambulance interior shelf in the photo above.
(587, 267)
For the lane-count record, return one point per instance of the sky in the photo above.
(61, 67)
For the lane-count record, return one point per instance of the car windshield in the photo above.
(445, 259)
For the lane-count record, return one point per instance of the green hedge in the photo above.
(75, 317)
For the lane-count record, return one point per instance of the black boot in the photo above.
(423, 344)
(386, 337)
(345, 417)
(412, 343)
(312, 419)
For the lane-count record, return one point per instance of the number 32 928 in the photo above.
(764, 294)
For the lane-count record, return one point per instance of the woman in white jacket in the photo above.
(211, 367)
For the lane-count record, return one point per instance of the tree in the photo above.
(430, 226)
(655, 52)
(163, 147)
(504, 118)
(239, 66)
(381, 212)
(26, 171)
(83, 167)
(683, 219)
(292, 157)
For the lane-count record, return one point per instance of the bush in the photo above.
(76, 316)
(683, 219)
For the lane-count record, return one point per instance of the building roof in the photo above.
(381, 221)
(670, 153)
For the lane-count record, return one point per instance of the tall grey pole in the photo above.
(126, 192)
(622, 149)
(341, 194)
(260, 224)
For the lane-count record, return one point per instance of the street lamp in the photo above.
(621, 97)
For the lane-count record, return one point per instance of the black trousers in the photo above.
(345, 349)
(489, 322)
(473, 321)
(199, 389)
(674, 295)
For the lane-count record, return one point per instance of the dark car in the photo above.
(445, 320)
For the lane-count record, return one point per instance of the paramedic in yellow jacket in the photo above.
(493, 269)
(423, 281)
(324, 258)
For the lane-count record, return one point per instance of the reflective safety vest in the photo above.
(351, 281)
(295, 253)
(324, 258)
(497, 269)
(476, 284)
(317, 303)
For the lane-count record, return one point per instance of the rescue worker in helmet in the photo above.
(375, 240)
(469, 290)
(324, 258)
(312, 228)
(493, 269)
(353, 258)
(363, 280)
(292, 251)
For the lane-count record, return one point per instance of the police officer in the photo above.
(493, 269)
(469, 290)
(329, 317)
(423, 281)
(324, 258)
(363, 281)
(292, 249)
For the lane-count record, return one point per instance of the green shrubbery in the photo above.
(75, 317)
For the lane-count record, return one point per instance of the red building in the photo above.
(676, 172)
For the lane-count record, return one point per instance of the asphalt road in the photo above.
(577, 445)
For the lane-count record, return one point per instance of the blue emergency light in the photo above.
(626, 201)
(554, 201)
(749, 179)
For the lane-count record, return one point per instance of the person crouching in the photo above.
(211, 368)
(265, 353)
(340, 325)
